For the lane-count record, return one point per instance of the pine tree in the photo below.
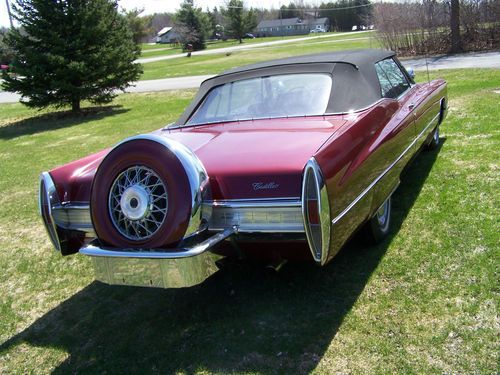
(193, 26)
(139, 25)
(239, 20)
(70, 50)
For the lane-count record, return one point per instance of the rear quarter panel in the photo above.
(428, 106)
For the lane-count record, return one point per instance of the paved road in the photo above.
(468, 60)
(140, 86)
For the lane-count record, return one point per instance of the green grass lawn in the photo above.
(217, 63)
(149, 50)
(424, 301)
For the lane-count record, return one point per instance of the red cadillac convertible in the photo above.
(282, 160)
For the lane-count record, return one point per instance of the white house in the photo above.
(167, 35)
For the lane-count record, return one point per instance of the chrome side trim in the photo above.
(255, 216)
(196, 173)
(357, 110)
(238, 202)
(184, 252)
(73, 216)
(267, 215)
(374, 182)
(47, 200)
(323, 211)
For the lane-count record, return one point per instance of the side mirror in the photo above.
(411, 72)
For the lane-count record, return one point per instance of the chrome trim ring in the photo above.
(138, 203)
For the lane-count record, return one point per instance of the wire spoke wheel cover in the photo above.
(141, 197)
(138, 203)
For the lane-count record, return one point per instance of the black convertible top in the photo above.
(358, 58)
(354, 80)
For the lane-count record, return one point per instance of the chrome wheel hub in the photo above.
(135, 202)
(138, 203)
(383, 214)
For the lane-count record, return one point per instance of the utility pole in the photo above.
(9, 13)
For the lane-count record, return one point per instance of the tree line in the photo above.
(235, 20)
(433, 27)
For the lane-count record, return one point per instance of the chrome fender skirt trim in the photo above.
(316, 211)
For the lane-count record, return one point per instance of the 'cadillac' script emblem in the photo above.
(263, 186)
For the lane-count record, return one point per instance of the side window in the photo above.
(392, 80)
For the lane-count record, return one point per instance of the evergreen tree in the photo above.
(239, 20)
(139, 25)
(289, 11)
(192, 25)
(6, 53)
(70, 50)
(358, 13)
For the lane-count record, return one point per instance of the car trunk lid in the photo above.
(259, 158)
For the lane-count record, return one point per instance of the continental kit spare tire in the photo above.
(142, 193)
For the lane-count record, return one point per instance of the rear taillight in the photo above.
(316, 211)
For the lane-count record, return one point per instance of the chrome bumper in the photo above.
(172, 268)
(184, 252)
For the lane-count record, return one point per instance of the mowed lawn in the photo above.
(217, 63)
(149, 50)
(424, 301)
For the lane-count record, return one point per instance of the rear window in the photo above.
(265, 97)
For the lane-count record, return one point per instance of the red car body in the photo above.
(275, 188)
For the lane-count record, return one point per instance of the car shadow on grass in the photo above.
(242, 319)
(57, 120)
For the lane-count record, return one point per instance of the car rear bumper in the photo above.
(163, 268)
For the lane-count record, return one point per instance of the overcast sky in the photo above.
(156, 6)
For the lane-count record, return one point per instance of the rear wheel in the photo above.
(377, 228)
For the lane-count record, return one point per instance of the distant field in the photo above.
(425, 301)
(216, 63)
(149, 50)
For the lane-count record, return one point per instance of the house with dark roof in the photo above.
(291, 26)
